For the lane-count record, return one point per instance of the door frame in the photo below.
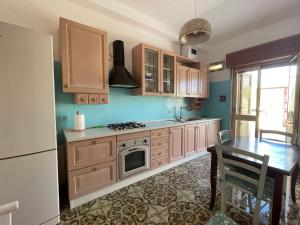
(234, 116)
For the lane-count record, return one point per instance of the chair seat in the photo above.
(268, 188)
(220, 219)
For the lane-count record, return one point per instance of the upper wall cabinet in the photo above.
(182, 73)
(84, 58)
(154, 70)
(191, 78)
(168, 73)
(204, 85)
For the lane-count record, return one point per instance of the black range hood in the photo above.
(119, 75)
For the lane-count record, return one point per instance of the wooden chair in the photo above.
(220, 219)
(224, 136)
(247, 180)
(292, 136)
(292, 141)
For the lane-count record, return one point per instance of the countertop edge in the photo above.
(107, 132)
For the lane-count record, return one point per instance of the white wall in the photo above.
(273, 32)
(43, 15)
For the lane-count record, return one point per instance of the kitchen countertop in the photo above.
(91, 133)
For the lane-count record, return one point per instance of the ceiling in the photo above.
(229, 18)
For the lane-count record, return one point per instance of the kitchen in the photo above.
(167, 112)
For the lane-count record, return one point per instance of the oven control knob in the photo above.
(124, 145)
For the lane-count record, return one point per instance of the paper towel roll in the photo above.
(79, 123)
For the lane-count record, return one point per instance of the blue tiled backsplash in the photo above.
(123, 106)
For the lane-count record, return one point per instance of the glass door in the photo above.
(266, 97)
(168, 73)
(244, 113)
(293, 94)
(278, 93)
(151, 64)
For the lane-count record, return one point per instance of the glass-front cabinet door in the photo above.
(168, 81)
(152, 70)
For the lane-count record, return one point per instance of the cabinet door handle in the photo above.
(65, 85)
(103, 99)
(82, 99)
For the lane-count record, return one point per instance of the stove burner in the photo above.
(124, 126)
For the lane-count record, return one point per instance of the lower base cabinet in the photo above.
(201, 137)
(92, 164)
(87, 180)
(190, 139)
(159, 148)
(161, 161)
(176, 140)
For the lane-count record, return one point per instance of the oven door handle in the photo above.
(133, 149)
(142, 148)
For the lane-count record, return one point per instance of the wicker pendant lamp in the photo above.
(195, 31)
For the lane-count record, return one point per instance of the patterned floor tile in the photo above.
(180, 195)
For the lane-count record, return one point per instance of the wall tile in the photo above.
(123, 106)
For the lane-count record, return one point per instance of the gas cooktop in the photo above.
(125, 126)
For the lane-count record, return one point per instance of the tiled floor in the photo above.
(177, 196)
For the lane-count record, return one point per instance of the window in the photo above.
(217, 66)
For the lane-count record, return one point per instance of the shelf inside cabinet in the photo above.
(150, 65)
(168, 69)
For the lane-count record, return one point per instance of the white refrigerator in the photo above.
(28, 154)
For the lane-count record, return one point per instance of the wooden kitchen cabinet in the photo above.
(168, 73)
(212, 132)
(159, 147)
(188, 81)
(89, 179)
(84, 58)
(176, 140)
(154, 70)
(85, 153)
(204, 84)
(182, 74)
(194, 82)
(201, 137)
(190, 139)
(146, 69)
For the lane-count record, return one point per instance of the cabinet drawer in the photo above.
(136, 135)
(98, 99)
(159, 133)
(92, 178)
(158, 152)
(158, 143)
(81, 99)
(103, 99)
(163, 160)
(90, 152)
(94, 99)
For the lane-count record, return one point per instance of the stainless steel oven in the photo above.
(134, 156)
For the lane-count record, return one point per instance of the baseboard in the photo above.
(52, 221)
(120, 184)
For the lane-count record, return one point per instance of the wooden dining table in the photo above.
(284, 159)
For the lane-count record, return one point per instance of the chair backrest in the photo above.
(224, 135)
(292, 136)
(245, 174)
